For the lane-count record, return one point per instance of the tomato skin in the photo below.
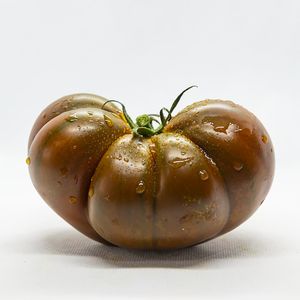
(204, 175)
(65, 152)
(239, 145)
(161, 201)
(68, 103)
(117, 210)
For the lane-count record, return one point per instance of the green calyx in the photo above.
(144, 121)
(144, 126)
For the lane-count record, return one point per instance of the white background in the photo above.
(144, 53)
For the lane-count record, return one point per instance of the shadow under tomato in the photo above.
(210, 254)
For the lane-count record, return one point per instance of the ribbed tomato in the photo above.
(189, 179)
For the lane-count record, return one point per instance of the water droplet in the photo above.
(264, 139)
(184, 219)
(72, 199)
(91, 191)
(107, 198)
(179, 131)
(220, 129)
(152, 148)
(108, 121)
(55, 113)
(63, 171)
(204, 103)
(75, 147)
(119, 157)
(72, 118)
(126, 159)
(183, 153)
(140, 189)
(178, 162)
(182, 229)
(203, 175)
(28, 161)
(238, 166)
(237, 129)
(143, 162)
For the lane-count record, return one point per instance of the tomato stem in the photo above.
(144, 123)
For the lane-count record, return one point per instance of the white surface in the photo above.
(144, 53)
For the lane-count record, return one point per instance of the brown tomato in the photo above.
(192, 178)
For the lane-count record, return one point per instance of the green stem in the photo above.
(127, 117)
(143, 126)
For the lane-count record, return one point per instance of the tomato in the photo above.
(139, 185)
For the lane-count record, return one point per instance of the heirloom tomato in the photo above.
(160, 182)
